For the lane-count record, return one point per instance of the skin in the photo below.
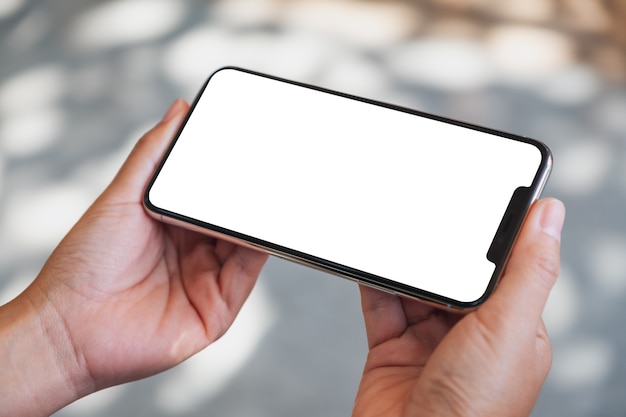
(490, 362)
(124, 296)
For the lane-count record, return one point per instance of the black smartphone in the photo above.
(407, 202)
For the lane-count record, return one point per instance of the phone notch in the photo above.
(509, 226)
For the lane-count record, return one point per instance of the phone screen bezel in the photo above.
(521, 208)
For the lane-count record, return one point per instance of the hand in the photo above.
(124, 296)
(490, 362)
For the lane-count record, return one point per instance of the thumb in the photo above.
(532, 268)
(132, 177)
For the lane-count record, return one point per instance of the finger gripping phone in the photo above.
(411, 203)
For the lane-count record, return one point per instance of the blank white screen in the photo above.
(397, 195)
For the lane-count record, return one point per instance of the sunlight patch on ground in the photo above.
(96, 403)
(1, 174)
(352, 74)
(33, 88)
(9, 7)
(563, 305)
(448, 64)
(607, 261)
(92, 176)
(192, 57)
(37, 218)
(582, 167)
(121, 23)
(16, 284)
(30, 105)
(524, 54)
(583, 363)
(571, 86)
(30, 133)
(610, 113)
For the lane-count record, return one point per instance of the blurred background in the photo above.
(81, 80)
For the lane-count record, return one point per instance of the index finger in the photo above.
(145, 156)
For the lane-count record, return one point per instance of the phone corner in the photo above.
(544, 150)
(467, 306)
(147, 203)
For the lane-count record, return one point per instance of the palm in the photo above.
(169, 293)
(156, 294)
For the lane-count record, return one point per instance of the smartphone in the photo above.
(407, 202)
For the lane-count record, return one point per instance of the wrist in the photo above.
(41, 370)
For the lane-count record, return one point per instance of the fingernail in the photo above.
(172, 111)
(552, 219)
